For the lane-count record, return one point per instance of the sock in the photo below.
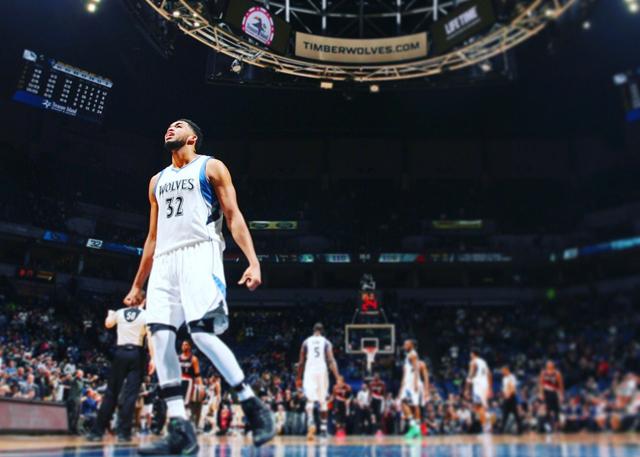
(244, 391)
(175, 408)
(323, 424)
(168, 370)
(309, 411)
(221, 356)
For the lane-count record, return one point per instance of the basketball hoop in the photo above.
(370, 352)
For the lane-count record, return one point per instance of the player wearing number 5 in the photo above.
(316, 357)
(183, 256)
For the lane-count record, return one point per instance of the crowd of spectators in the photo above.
(59, 352)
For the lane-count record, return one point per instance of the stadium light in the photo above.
(328, 85)
(176, 13)
(92, 7)
(236, 66)
(374, 88)
(586, 25)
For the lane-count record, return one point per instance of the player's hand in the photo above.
(251, 277)
(134, 297)
(152, 367)
(298, 383)
(490, 394)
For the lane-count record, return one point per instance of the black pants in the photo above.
(73, 413)
(552, 402)
(125, 380)
(509, 407)
(377, 411)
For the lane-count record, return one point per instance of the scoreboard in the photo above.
(52, 85)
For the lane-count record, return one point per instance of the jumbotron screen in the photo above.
(52, 85)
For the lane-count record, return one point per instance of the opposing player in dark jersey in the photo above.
(551, 392)
(378, 391)
(341, 397)
(192, 385)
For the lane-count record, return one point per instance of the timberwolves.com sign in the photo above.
(357, 51)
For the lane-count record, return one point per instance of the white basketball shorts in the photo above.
(185, 284)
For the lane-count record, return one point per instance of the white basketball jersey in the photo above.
(482, 370)
(409, 373)
(316, 348)
(188, 209)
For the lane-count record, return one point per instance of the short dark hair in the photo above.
(475, 350)
(197, 130)
(318, 327)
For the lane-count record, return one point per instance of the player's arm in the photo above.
(112, 319)
(196, 369)
(490, 383)
(416, 369)
(301, 362)
(560, 387)
(541, 385)
(331, 361)
(424, 372)
(472, 373)
(219, 175)
(134, 297)
(152, 365)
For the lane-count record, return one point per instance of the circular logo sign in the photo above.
(258, 24)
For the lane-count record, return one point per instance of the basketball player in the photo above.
(378, 391)
(551, 392)
(192, 387)
(214, 396)
(411, 389)
(480, 382)
(316, 358)
(146, 414)
(341, 398)
(183, 257)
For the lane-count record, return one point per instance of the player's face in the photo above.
(185, 346)
(178, 134)
(408, 346)
(549, 366)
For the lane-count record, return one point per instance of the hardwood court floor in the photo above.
(578, 445)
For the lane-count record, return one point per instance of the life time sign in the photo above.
(462, 23)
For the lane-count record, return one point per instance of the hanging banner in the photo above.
(463, 22)
(359, 51)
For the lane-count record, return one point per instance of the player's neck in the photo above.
(183, 156)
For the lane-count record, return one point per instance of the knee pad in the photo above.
(153, 328)
(215, 322)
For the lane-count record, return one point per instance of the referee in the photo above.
(126, 372)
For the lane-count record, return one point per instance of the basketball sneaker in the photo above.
(413, 432)
(259, 420)
(311, 433)
(180, 439)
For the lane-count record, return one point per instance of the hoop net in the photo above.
(370, 352)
